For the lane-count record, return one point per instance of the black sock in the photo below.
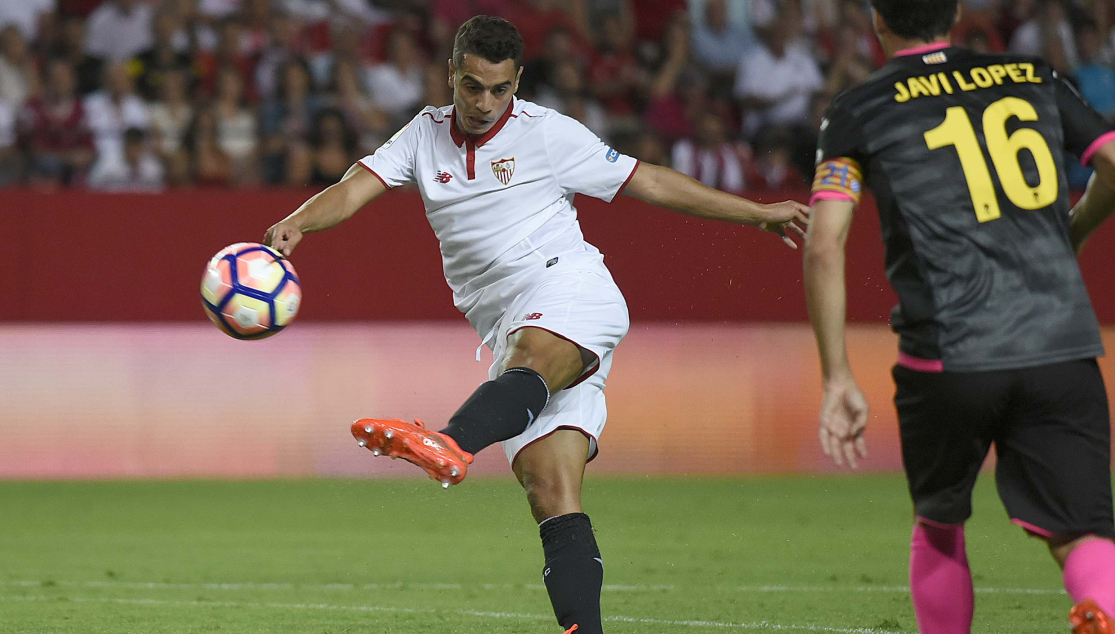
(499, 409)
(574, 571)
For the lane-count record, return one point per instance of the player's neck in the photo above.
(894, 46)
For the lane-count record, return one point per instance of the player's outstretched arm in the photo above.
(843, 408)
(327, 209)
(1098, 202)
(664, 187)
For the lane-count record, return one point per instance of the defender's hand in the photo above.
(785, 216)
(843, 420)
(283, 237)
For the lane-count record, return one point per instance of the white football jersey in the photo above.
(499, 201)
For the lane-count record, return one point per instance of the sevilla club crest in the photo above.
(504, 169)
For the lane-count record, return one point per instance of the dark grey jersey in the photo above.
(965, 155)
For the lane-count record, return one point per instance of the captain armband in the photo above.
(838, 179)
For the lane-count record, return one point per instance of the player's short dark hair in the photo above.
(918, 19)
(492, 38)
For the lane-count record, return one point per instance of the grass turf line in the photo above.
(822, 553)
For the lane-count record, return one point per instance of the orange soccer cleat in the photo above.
(437, 453)
(1088, 618)
(572, 629)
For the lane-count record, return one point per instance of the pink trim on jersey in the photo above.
(629, 177)
(922, 50)
(935, 524)
(1086, 158)
(831, 196)
(1030, 528)
(918, 364)
(361, 163)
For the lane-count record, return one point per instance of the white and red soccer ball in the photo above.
(250, 291)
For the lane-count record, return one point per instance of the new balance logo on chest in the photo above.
(443, 177)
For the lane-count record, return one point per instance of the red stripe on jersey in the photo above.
(470, 158)
(439, 121)
(373, 172)
(629, 177)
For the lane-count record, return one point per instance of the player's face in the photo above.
(482, 91)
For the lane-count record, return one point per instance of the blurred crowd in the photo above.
(139, 95)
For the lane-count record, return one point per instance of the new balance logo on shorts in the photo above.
(443, 177)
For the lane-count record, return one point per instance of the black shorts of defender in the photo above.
(1051, 430)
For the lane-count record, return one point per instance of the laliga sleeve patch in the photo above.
(396, 136)
(838, 179)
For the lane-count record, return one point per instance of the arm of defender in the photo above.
(1098, 202)
(664, 187)
(843, 408)
(327, 209)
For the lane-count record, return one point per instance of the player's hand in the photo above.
(784, 218)
(283, 237)
(843, 420)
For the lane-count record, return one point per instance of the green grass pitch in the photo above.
(693, 556)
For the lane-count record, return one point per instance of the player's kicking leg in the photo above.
(537, 365)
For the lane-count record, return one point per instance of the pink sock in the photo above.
(1090, 573)
(940, 582)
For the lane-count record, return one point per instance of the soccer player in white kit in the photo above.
(497, 176)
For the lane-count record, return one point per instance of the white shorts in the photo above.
(577, 300)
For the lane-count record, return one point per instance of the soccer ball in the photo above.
(250, 291)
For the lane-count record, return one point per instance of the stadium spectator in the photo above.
(614, 73)
(851, 64)
(119, 30)
(1048, 33)
(236, 125)
(772, 165)
(718, 44)
(172, 113)
(114, 109)
(229, 54)
(567, 94)
(328, 155)
(435, 86)
(18, 75)
(54, 130)
(136, 169)
(534, 19)
(26, 15)
(1096, 79)
(286, 120)
(88, 70)
(11, 160)
(675, 95)
(194, 32)
(396, 86)
(709, 157)
(778, 78)
(285, 43)
(370, 125)
(559, 47)
(202, 161)
(151, 66)
(853, 29)
(347, 45)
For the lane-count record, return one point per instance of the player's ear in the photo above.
(452, 72)
(878, 23)
(518, 76)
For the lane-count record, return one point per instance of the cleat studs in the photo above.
(445, 484)
(376, 452)
(388, 434)
(362, 443)
(367, 429)
(454, 472)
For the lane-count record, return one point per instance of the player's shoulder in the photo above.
(530, 113)
(433, 116)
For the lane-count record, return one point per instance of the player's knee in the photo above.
(1061, 546)
(552, 496)
(559, 361)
